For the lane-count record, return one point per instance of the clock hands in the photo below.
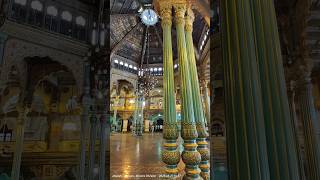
(149, 14)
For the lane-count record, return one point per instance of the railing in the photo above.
(48, 17)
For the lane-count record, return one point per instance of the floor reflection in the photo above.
(133, 157)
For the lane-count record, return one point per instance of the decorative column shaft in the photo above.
(93, 136)
(196, 97)
(19, 135)
(3, 38)
(86, 102)
(292, 106)
(135, 114)
(139, 123)
(282, 152)
(170, 153)
(102, 162)
(246, 137)
(54, 130)
(115, 108)
(206, 101)
(309, 118)
(190, 156)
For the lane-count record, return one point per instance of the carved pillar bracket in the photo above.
(196, 97)
(190, 156)
(309, 122)
(170, 154)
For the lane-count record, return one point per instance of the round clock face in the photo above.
(149, 17)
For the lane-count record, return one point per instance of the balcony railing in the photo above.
(49, 17)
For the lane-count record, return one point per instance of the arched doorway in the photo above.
(159, 125)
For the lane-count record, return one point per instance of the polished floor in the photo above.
(135, 157)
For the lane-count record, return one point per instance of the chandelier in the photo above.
(147, 80)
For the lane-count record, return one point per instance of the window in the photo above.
(36, 13)
(66, 23)
(5, 134)
(51, 21)
(19, 10)
(80, 29)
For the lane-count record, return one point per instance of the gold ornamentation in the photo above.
(171, 157)
(191, 157)
(189, 20)
(188, 131)
(180, 11)
(170, 131)
(166, 15)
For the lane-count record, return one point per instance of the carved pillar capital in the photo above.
(166, 14)
(180, 11)
(189, 20)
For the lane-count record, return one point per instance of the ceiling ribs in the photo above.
(118, 45)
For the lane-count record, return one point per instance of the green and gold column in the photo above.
(282, 149)
(170, 153)
(246, 137)
(196, 97)
(257, 106)
(190, 156)
(308, 117)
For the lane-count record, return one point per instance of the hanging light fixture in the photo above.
(147, 79)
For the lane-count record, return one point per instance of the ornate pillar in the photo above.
(309, 117)
(19, 135)
(139, 122)
(3, 38)
(93, 136)
(170, 154)
(292, 106)
(115, 108)
(54, 132)
(135, 114)
(282, 152)
(196, 97)
(86, 102)
(190, 156)
(102, 162)
(247, 146)
(206, 99)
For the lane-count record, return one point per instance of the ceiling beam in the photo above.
(119, 44)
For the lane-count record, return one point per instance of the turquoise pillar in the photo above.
(196, 97)
(259, 129)
(190, 156)
(246, 137)
(170, 153)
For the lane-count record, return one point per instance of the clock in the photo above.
(149, 17)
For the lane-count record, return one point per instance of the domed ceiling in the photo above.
(127, 36)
